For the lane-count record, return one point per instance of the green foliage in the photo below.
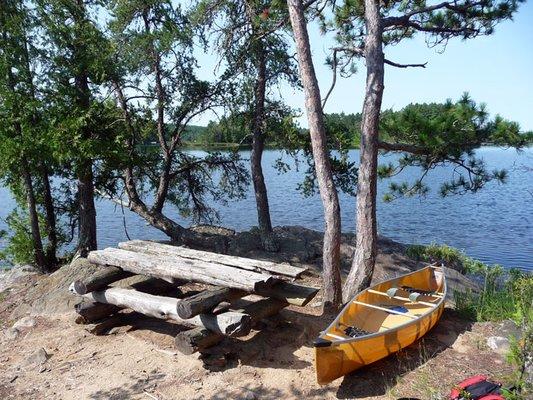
(436, 254)
(450, 256)
(440, 134)
(521, 350)
(403, 20)
(344, 129)
(519, 356)
(159, 91)
(503, 296)
(20, 248)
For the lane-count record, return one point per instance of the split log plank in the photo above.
(293, 294)
(206, 301)
(89, 312)
(228, 323)
(148, 247)
(199, 339)
(188, 269)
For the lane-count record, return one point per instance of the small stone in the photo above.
(25, 323)
(499, 344)
(528, 372)
(249, 396)
(38, 358)
(11, 333)
(509, 328)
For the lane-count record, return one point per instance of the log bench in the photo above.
(210, 313)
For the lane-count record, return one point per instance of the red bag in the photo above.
(478, 388)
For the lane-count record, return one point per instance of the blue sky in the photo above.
(496, 70)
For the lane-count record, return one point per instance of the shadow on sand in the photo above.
(274, 346)
(379, 377)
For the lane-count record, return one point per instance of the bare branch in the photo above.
(358, 51)
(334, 80)
(116, 200)
(397, 65)
(404, 19)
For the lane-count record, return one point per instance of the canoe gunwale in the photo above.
(438, 306)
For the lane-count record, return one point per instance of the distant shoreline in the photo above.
(274, 146)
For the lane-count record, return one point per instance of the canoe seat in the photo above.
(405, 299)
(428, 293)
(387, 310)
(338, 337)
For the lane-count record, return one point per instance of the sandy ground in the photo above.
(57, 359)
(276, 362)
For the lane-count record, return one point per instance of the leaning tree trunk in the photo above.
(366, 228)
(328, 192)
(40, 259)
(258, 143)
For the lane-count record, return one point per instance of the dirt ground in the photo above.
(58, 359)
(275, 362)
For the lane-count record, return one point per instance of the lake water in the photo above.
(494, 225)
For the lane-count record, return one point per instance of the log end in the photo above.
(78, 287)
(197, 339)
(184, 310)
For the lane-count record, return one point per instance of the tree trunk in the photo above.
(328, 192)
(155, 218)
(366, 227)
(87, 211)
(268, 239)
(84, 172)
(50, 218)
(40, 259)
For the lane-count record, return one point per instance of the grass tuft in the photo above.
(505, 295)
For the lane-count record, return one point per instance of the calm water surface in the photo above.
(494, 225)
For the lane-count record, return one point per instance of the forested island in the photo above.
(99, 100)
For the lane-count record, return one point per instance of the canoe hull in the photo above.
(335, 361)
(391, 319)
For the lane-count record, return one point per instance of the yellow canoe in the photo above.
(380, 321)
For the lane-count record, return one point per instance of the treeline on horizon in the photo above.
(233, 131)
